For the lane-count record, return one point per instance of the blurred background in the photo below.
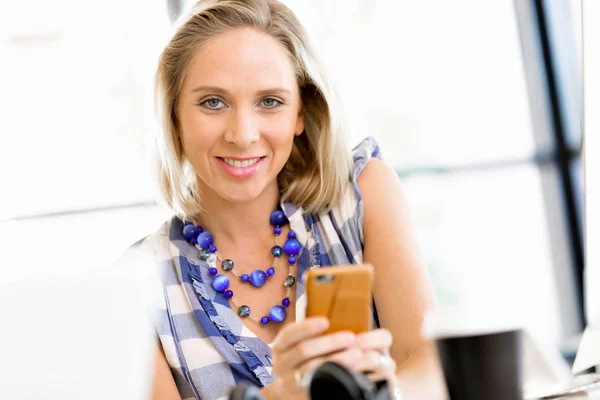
(477, 105)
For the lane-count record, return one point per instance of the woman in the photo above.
(253, 164)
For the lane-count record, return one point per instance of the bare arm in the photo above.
(163, 387)
(402, 289)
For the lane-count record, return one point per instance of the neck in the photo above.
(239, 222)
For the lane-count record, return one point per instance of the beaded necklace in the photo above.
(204, 242)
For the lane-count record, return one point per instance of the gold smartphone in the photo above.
(343, 294)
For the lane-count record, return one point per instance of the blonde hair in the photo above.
(318, 170)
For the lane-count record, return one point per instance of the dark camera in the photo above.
(329, 381)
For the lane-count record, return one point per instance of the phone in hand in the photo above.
(343, 294)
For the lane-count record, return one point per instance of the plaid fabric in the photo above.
(206, 344)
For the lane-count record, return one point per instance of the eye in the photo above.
(213, 104)
(270, 102)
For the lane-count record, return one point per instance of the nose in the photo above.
(243, 129)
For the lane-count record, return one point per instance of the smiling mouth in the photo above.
(240, 163)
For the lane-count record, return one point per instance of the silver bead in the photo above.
(227, 265)
(289, 281)
(204, 254)
(244, 311)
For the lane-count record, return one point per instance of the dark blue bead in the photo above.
(245, 278)
(291, 247)
(186, 223)
(292, 260)
(258, 278)
(220, 283)
(228, 294)
(277, 314)
(277, 230)
(276, 251)
(189, 231)
(291, 235)
(205, 239)
(285, 302)
(213, 271)
(194, 241)
(271, 271)
(264, 320)
(199, 230)
(278, 218)
(212, 248)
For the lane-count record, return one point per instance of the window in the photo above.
(77, 106)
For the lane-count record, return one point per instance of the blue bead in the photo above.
(220, 283)
(199, 230)
(278, 218)
(291, 235)
(186, 223)
(277, 230)
(277, 314)
(194, 241)
(228, 294)
(264, 320)
(258, 278)
(285, 302)
(213, 271)
(276, 251)
(189, 231)
(212, 248)
(245, 278)
(205, 239)
(292, 260)
(291, 247)
(271, 271)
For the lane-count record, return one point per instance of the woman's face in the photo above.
(239, 110)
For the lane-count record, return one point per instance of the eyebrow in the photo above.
(219, 90)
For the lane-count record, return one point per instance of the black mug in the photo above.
(485, 366)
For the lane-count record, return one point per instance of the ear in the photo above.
(299, 122)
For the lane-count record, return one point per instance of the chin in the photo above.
(242, 193)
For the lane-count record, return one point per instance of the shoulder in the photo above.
(378, 179)
(382, 194)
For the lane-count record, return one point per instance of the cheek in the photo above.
(281, 128)
(199, 132)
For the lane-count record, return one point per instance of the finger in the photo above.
(370, 361)
(378, 339)
(380, 373)
(346, 358)
(290, 335)
(317, 347)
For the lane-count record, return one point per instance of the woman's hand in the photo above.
(376, 362)
(301, 347)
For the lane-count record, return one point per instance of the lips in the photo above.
(240, 167)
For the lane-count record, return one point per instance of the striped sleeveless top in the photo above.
(206, 344)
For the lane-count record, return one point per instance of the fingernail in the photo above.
(350, 338)
(323, 323)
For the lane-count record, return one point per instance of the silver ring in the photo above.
(298, 378)
(384, 361)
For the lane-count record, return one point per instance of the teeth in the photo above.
(241, 164)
